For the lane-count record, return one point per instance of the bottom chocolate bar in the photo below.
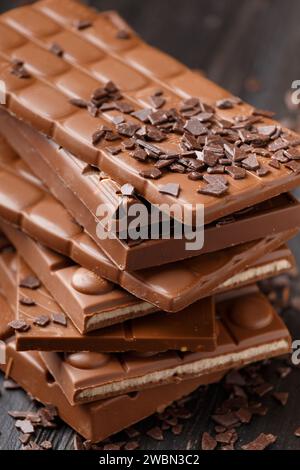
(99, 420)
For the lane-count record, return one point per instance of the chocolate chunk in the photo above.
(297, 432)
(224, 437)
(195, 127)
(142, 114)
(111, 136)
(79, 103)
(171, 188)
(210, 158)
(127, 190)
(281, 397)
(292, 153)
(46, 445)
(293, 165)
(132, 445)
(155, 433)
(56, 49)
(158, 117)
(251, 162)
(152, 173)
(128, 144)
(19, 325)
(18, 69)
(262, 171)
(27, 301)
(155, 134)
(261, 442)
(215, 179)
(115, 150)
(274, 164)
(228, 103)
(195, 176)
(124, 107)
(59, 319)
(128, 129)
(216, 170)
(140, 155)
(123, 34)
(244, 415)
(267, 130)
(97, 137)
(149, 147)
(42, 321)
(157, 101)
(278, 144)
(177, 168)
(263, 389)
(227, 420)
(82, 24)
(236, 172)
(162, 163)
(25, 426)
(208, 442)
(30, 282)
(215, 189)
(280, 157)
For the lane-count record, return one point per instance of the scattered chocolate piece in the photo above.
(274, 164)
(224, 437)
(19, 325)
(56, 49)
(42, 321)
(293, 165)
(213, 189)
(132, 432)
(208, 442)
(79, 103)
(283, 372)
(46, 445)
(25, 426)
(152, 173)
(114, 150)
(142, 114)
(281, 397)
(27, 301)
(236, 172)
(172, 189)
(140, 155)
(262, 171)
(297, 432)
(18, 69)
(98, 136)
(244, 415)
(177, 429)
(59, 319)
(82, 24)
(195, 127)
(227, 420)
(133, 445)
(124, 107)
(261, 442)
(112, 447)
(156, 434)
(250, 163)
(157, 101)
(30, 282)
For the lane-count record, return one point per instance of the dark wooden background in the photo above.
(251, 48)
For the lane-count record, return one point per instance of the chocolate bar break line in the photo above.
(72, 98)
(50, 163)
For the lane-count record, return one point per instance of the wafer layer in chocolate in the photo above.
(99, 420)
(191, 330)
(248, 330)
(72, 98)
(50, 162)
(171, 287)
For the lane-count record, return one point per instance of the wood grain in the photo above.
(232, 41)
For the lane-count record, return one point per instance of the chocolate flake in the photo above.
(127, 190)
(297, 432)
(56, 49)
(261, 442)
(236, 172)
(18, 69)
(172, 189)
(152, 173)
(79, 103)
(19, 325)
(157, 101)
(156, 434)
(140, 155)
(30, 282)
(27, 301)
(132, 445)
(42, 321)
(208, 442)
(59, 318)
(195, 127)
(142, 114)
(82, 24)
(281, 397)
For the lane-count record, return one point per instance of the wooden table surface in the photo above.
(251, 48)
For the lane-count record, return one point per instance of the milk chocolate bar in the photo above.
(171, 287)
(160, 332)
(103, 91)
(98, 420)
(57, 274)
(50, 162)
(248, 328)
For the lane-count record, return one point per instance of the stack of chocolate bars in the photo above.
(110, 329)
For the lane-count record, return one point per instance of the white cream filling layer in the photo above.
(95, 320)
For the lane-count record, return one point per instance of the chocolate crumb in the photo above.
(27, 301)
(19, 325)
(133, 445)
(30, 282)
(59, 318)
(153, 173)
(156, 434)
(261, 442)
(42, 321)
(281, 397)
(208, 442)
(171, 189)
(56, 49)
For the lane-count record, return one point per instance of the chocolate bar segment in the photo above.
(160, 332)
(99, 420)
(248, 330)
(78, 105)
(49, 162)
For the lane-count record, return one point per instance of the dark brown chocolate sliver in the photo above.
(114, 150)
(158, 117)
(261, 442)
(157, 101)
(133, 445)
(25, 426)
(42, 321)
(97, 137)
(82, 24)
(216, 170)
(56, 49)
(236, 172)
(161, 163)
(79, 103)
(30, 282)
(293, 165)
(244, 415)
(262, 171)
(263, 113)
(177, 168)
(19, 325)
(274, 164)
(156, 434)
(227, 420)
(267, 130)
(27, 301)
(172, 189)
(292, 153)
(153, 173)
(195, 176)
(215, 179)
(263, 389)
(195, 127)
(124, 107)
(281, 397)
(210, 158)
(251, 162)
(127, 190)
(59, 319)
(140, 155)
(208, 442)
(127, 129)
(149, 147)
(123, 34)
(142, 114)
(215, 189)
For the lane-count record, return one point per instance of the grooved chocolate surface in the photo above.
(248, 328)
(50, 92)
(50, 162)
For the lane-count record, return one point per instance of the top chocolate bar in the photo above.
(86, 80)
